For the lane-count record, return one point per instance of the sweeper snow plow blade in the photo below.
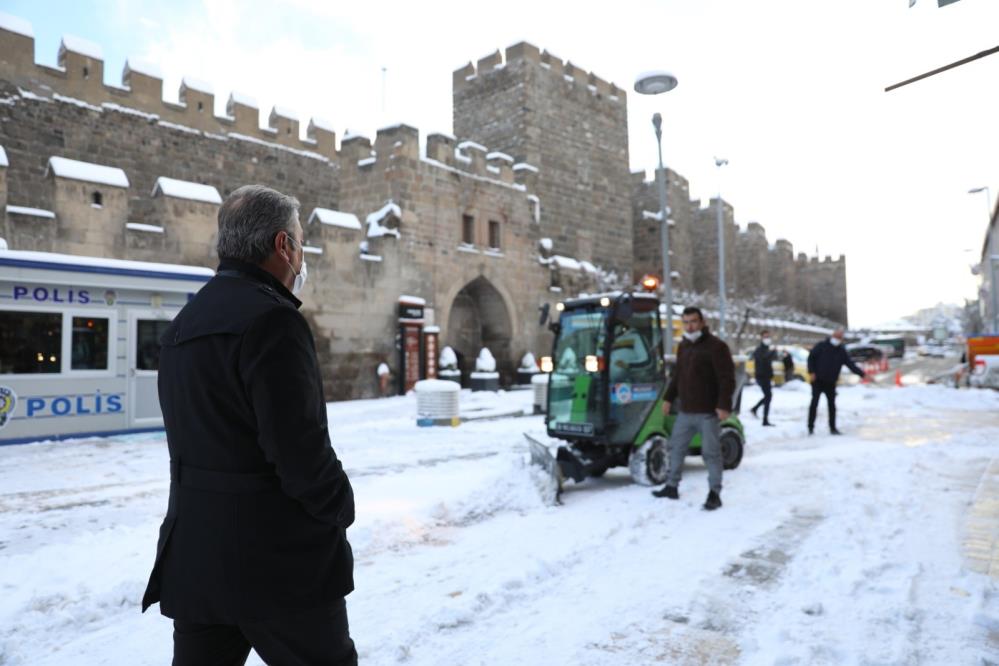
(542, 458)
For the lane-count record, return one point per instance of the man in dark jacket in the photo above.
(704, 383)
(825, 362)
(763, 359)
(253, 551)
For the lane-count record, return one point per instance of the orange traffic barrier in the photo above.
(898, 378)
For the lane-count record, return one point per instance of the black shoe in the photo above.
(753, 410)
(712, 502)
(768, 423)
(811, 430)
(833, 431)
(667, 491)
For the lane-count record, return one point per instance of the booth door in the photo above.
(144, 331)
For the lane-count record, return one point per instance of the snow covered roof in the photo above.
(524, 166)
(81, 46)
(464, 145)
(412, 300)
(62, 167)
(335, 218)
(240, 98)
(30, 212)
(16, 24)
(138, 226)
(374, 221)
(351, 134)
(321, 123)
(499, 156)
(283, 112)
(190, 83)
(3, 157)
(142, 67)
(103, 262)
(182, 189)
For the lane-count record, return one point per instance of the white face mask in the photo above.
(835, 342)
(692, 336)
(301, 275)
(767, 341)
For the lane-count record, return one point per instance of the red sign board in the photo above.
(411, 355)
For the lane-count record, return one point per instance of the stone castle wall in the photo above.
(570, 124)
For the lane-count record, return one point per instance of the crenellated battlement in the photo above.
(402, 142)
(524, 52)
(79, 74)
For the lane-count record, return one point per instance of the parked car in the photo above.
(862, 353)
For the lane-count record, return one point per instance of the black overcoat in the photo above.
(259, 503)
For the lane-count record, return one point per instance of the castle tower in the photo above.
(573, 127)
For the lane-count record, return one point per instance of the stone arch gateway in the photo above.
(479, 318)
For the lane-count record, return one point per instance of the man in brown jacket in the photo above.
(704, 382)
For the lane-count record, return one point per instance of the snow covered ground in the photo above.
(829, 550)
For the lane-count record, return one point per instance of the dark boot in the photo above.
(811, 430)
(712, 502)
(667, 491)
(833, 431)
(767, 423)
(753, 410)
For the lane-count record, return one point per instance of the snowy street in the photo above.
(828, 550)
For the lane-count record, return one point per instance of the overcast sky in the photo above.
(789, 91)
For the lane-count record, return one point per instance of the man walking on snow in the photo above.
(704, 384)
(825, 362)
(253, 551)
(763, 369)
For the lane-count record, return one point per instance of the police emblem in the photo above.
(8, 399)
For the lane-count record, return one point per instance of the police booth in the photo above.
(79, 342)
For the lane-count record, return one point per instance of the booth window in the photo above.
(96, 198)
(30, 342)
(147, 343)
(89, 344)
(468, 229)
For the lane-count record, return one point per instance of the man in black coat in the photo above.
(763, 359)
(253, 551)
(825, 362)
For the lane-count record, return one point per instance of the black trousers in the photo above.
(768, 395)
(820, 388)
(309, 638)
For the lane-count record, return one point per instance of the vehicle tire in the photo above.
(731, 448)
(649, 463)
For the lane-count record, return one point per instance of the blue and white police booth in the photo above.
(79, 342)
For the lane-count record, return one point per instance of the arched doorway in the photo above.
(479, 318)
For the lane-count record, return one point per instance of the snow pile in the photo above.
(374, 221)
(182, 189)
(138, 226)
(448, 359)
(383, 370)
(3, 157)
(528, 362)
(189, 83)
(62, 167)
(485, 361)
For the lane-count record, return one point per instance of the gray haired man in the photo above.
(253, 550)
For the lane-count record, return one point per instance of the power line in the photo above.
(965, 61)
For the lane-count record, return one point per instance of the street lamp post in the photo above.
(655, 83)
(720, 162)
(989, 263)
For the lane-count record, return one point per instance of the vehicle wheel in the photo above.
(649, 463)
(731, 448)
